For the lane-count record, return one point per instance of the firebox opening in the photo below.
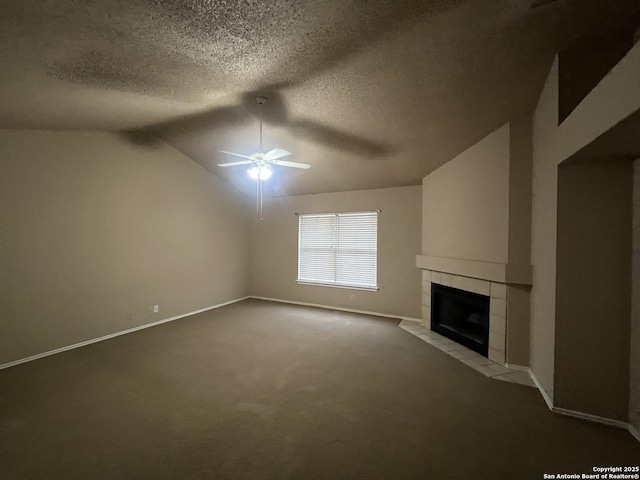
(461, 316)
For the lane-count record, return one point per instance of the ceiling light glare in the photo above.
(260, 173)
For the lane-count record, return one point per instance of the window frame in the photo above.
(335, 245)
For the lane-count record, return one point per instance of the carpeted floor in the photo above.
(266, 390)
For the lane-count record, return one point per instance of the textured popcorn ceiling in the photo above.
(373, 94)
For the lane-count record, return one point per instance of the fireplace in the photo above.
(461, 316)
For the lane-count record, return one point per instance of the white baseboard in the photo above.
(116, 334)
(581, 415)
(518, 368)
(542, 391)
(341, 309)
(592, 418)
(562, 411)
(409, 319)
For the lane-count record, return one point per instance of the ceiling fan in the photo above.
(262, 162)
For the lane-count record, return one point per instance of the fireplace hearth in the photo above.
(461, 316)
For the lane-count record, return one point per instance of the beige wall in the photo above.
(585, 63)
(518, 298)
(465, 210)
(478, 207)
(593, 288)
(612, 100)
(615, 98)
(543, 234)
(518, 306)
(634, 359)
(520, 165)
(94, 229)
(275, 246)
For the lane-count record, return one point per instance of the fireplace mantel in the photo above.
(494, 272)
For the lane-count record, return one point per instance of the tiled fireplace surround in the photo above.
(497, 306)
(495, 366)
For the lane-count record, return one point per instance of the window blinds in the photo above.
(338, 249)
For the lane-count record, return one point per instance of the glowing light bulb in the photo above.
(263, 172)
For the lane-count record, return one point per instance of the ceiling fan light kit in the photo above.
(261, 169)
(262, 172)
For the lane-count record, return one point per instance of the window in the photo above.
(339, 249)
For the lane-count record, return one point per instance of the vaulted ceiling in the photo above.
(372, 94)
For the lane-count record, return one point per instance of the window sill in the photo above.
(333, 285)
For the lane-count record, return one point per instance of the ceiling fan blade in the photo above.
(276, 153)
(235, 154)
(233, 164)
(284, 163)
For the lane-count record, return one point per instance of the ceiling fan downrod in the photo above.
(260, 101)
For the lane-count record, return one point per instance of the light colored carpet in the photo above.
(266, 390)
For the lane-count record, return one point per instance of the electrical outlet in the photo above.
(129, 316)
(156, 309)
(149, 310)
